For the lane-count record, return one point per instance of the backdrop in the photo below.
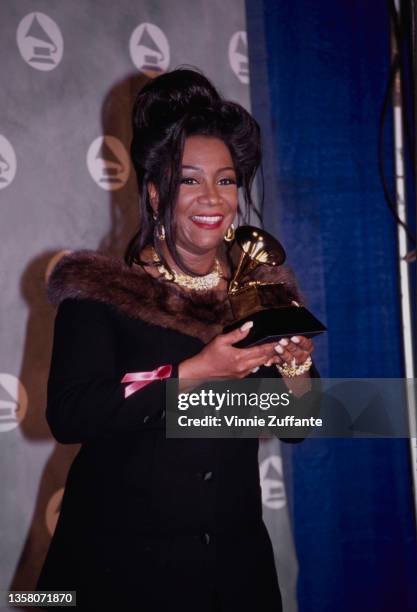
(318, 76)
(70, 73)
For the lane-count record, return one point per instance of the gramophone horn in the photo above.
(258, 247)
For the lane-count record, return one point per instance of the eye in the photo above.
(188, 180)
(227, 181)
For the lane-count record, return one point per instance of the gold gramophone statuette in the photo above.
(266, 303)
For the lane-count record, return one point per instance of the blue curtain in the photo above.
(318, 74)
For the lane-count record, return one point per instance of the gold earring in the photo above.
(230, 234)
(160, 231)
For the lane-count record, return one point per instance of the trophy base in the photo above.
(276, 323)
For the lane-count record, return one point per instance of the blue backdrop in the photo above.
(318, 74)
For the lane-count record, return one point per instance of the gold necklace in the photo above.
(198, 283)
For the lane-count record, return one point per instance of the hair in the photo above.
(169, 109)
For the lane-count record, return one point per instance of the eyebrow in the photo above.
(218, 170)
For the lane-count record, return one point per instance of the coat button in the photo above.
(206, 538)
(146, 418)
(207, 475)
(162, 415)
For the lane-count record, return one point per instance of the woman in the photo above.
(150, 523)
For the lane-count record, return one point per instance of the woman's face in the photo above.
(208, 195)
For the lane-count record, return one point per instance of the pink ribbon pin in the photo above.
(141, 379)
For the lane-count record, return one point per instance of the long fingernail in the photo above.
(246, 325)
(255, 369)
(279, 349)
(268, 363)
(283, 341)
(295, 339)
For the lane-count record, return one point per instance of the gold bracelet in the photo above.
(294, 370)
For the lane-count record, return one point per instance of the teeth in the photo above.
(211, 219)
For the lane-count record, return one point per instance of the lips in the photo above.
(207, 221)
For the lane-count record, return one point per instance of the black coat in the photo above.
(146, 523)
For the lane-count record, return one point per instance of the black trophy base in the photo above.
(276, 323)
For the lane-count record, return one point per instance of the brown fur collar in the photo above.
(94, 275)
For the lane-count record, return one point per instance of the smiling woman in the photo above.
(206, 204)
(140, 512)
(191, 151)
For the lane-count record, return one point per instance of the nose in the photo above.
(209, 195)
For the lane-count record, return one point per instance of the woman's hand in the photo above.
(287, 349)
(220, 359)
(297, 348)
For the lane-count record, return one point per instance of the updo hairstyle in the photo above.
(169, 109)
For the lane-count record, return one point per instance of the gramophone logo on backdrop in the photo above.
(40, 41)
(149, 49)
(238, 56)
(53, 262)
(273, 492)
(53, 509)
(7, 162)
(108, 163)
(13, 402)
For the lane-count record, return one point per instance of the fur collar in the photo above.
(88, 274)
